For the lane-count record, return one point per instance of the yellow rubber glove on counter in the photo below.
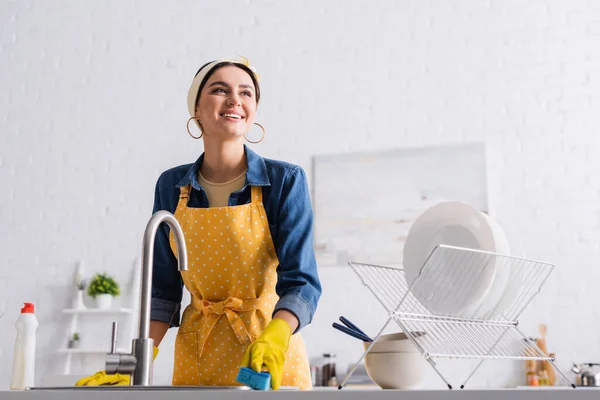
(269, 351)
(102, 378)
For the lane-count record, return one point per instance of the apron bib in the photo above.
(231, 277)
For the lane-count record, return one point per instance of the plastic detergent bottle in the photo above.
(24, 356)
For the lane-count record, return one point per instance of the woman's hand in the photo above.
(269, 350)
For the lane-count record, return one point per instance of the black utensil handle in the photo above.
(351, 332)
(352, 326)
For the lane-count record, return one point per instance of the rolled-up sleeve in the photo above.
(167, 285)
(298, 285)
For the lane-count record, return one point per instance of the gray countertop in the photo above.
(325, 394)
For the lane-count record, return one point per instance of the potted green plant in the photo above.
(103, 288)
(74, 341)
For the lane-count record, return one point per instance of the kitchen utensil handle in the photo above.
(113, 341)
(351, 332)
(350, 325)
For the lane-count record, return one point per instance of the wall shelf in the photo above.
(97, 311)
(80, 318)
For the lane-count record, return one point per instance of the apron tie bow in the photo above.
(230, 307)
(232, 303)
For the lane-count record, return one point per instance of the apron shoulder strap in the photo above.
(256, 193)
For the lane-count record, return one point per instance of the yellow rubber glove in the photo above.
(269, 351)
(100, 378)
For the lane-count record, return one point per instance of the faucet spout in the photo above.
(147, 257)
(139, 362)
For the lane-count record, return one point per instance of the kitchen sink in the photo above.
(141, 388)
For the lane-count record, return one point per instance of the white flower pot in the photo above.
(104, 301)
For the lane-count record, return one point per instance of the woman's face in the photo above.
(227, 104)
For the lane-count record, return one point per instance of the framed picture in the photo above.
(365, 203)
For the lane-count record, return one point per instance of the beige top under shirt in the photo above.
(218, 193)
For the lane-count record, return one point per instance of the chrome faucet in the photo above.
(138, 363)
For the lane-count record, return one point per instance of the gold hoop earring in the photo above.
(188, 128)
(263, 135)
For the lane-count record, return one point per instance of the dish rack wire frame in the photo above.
(474, 333)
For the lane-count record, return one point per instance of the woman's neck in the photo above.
(223, 161)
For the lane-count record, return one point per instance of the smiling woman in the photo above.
(252, 274)
(248, 223)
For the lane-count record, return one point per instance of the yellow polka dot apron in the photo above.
(231, 277)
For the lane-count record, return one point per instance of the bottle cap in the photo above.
(28, 308)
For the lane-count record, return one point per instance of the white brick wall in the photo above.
(92, 104)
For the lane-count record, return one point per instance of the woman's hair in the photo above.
(224, 64)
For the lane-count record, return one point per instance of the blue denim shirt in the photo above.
(287, 203)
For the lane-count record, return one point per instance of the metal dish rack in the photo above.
(457, 276)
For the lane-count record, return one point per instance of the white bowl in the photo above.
(447, 290)
(394, 343)
(396, 370)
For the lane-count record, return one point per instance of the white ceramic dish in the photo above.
(396, 370)
(455, 224)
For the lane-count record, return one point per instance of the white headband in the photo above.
(195, 87)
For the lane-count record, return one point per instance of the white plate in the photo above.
(515, 280)
(489, 305)
(455, 224)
